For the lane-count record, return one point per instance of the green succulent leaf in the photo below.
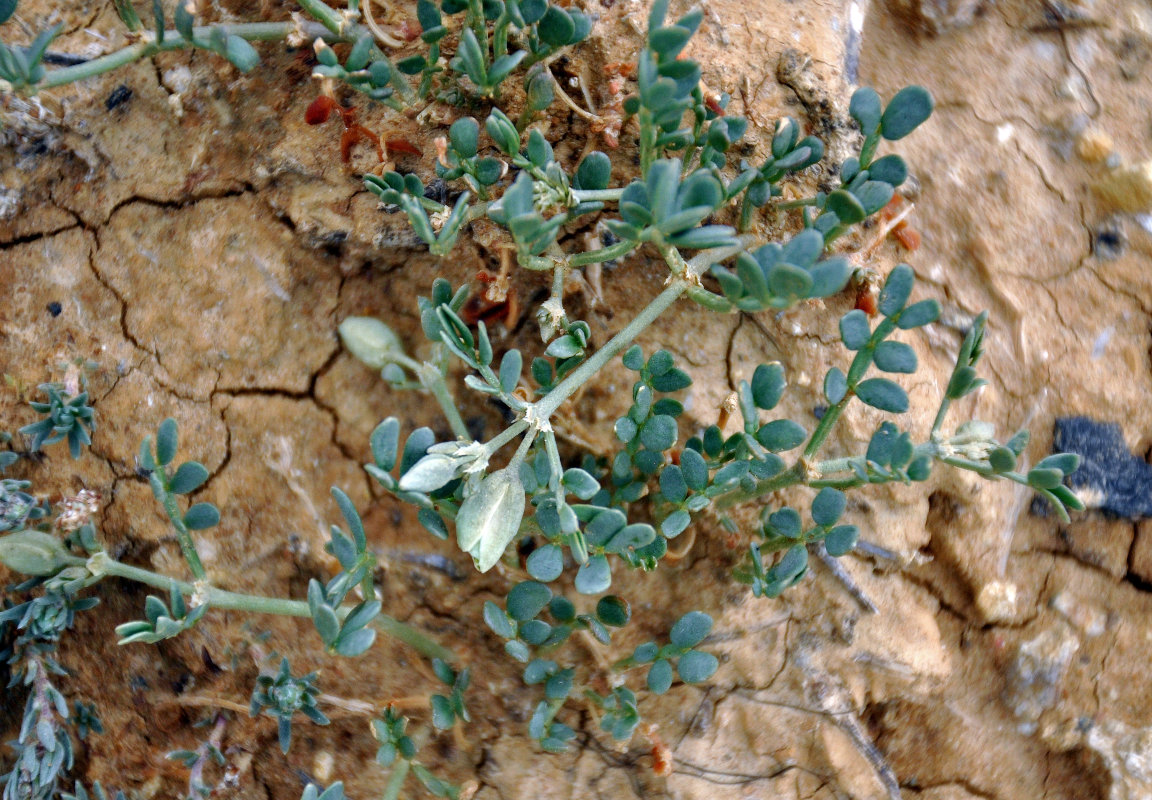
(892, 356)
(905, 112)
(594, 576)
(527, 599)
(828, 506)
(696, 666)
(855, 330)
(546, 563)
(883, 394)
(188, 477)
(690, 629)
(866, 108)
(201, 516)
(841, 540)
(660, 677)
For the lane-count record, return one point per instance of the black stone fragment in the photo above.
(1110, 477)
(120, 95)
(438, 191)
(55, 308)
(1109, 241)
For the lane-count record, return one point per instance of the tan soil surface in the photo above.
(203, 261)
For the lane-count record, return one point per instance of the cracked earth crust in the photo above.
(203, 263)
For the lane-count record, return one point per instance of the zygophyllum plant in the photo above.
(593, 519)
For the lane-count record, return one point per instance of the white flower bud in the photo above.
(371, 341)
(490, 519)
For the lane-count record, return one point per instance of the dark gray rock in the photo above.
(1110, 477)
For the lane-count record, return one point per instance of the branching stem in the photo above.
(102, 564)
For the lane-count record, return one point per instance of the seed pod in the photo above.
(490, 518)
(34, 553)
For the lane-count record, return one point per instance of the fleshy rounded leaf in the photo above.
(594, 576)
(527, 599)
(189, 477)
(841, 540)
(546, 563)
(613, 611)
(690, 629)
(883, 394)
(828, 506)
(201, 516)
(696, 666)
(660, 677)
(906, 111)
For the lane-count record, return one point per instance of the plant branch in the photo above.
(251, 31)
(102, 564)
(614, 346)
(159, 482)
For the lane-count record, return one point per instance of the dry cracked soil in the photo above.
(180, 227)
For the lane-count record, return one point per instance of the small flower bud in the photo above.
(429, 473)
(371, 341)
(33, 553)
(490, 519)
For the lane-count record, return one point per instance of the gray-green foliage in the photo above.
(67, 418)
(497, 39)
(584, 520)
(282, 696)
(43, 748)
(584, 516)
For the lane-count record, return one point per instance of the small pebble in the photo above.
(997, 601)
(1093, 146)
(1128, 188)
(55, 308)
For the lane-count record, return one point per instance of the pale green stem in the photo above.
(432, 379)
(505, 436)
(941, 414)
(807, 201)
(101, 564)
(590, 195)
(434, 382)
(647, 141)
(522, 450)
(252, 31)
(558, 280)
(329, 17)
(609, 253)
(396, 779)
(824, 427)
(159, 482)
(614, 346)
(554, 462)
(700, 263)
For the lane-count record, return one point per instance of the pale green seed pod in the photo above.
(490, 518)
(371, 341)
(33, 553)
